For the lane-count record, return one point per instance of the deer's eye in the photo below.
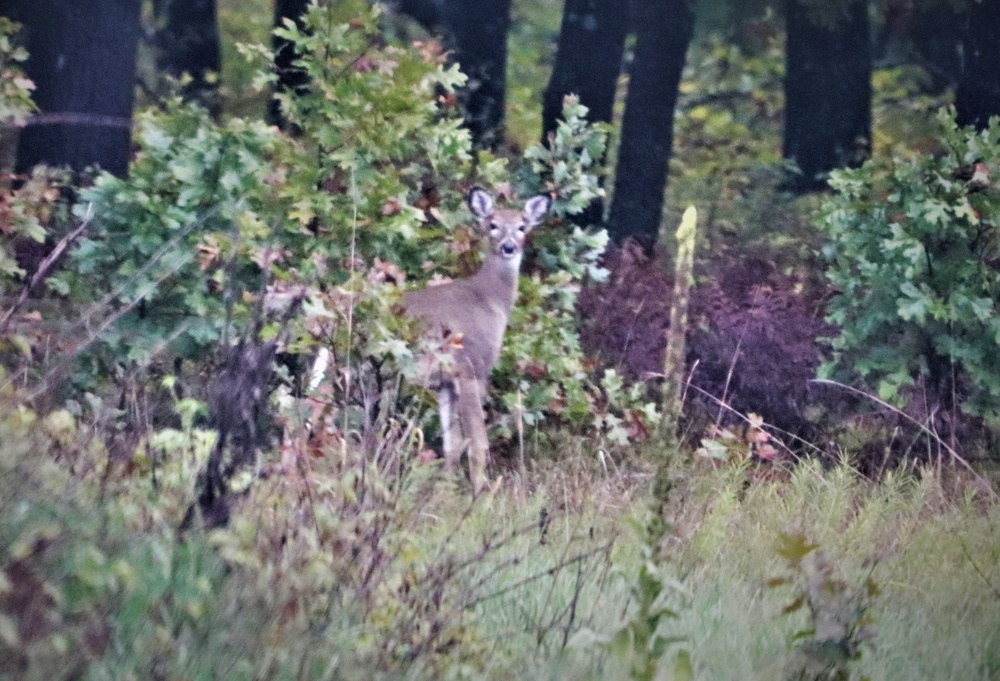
(520, 228)
(494, 227)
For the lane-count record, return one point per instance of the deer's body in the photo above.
(471, 315)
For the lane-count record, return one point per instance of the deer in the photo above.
(470, 316)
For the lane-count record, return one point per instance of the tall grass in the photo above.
(322, 576)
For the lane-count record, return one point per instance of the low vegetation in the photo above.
(183, 496)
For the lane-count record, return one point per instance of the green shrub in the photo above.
(913, 254)
(542, 371)
(211, 212)
(19, 210)
(179, 232)
(93, 576)
(15, 88)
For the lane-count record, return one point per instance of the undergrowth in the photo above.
(324, 574)
(342, 549)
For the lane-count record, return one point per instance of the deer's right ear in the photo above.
(480, 203)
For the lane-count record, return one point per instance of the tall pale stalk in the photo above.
(673, 361)
(673, 366)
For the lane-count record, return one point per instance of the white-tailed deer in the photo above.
(471, 314)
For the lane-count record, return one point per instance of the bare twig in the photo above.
(768, 426)
(540, 575)
(931, 434)
(46, 265)
(73, 118)
(975, 566)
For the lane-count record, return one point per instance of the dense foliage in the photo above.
(16, 220)
(221, 224)
(913, 255)
(344, 551)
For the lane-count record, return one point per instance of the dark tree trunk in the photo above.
(477, 32)
(187, 41)
(664, 32)
(937, 36)
(290, 78)
(588, 62)
(828, 93)
(588, 59)
(427, 13)
(82, 60)
(978, 95)
(927, 32)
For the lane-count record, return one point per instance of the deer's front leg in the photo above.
(451, 427)
(470, 408)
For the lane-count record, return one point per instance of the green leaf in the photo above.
(683, 669)
(794, 547)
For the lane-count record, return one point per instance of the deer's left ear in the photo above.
(535, 209)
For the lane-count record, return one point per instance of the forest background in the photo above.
(766, 448)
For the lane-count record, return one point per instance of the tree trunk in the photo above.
(937, 37)
(477, 32)
(978, 95)
(290, 78)
(427, 13)
(588, 59)
(82, 60)
(588, 62)
(828, 66)
(664, 32)
(187, 41)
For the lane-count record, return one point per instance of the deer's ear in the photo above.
(535, 209)
(480, 203)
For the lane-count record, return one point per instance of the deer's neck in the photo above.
(497, 280)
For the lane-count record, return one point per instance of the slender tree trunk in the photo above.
(290, 78)
(827, 91)
(187, 41)
(978, 95)
(82, 60)
(664, 32)
(588, 62)
(477, 32)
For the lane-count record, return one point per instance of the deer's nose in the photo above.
(508, 248)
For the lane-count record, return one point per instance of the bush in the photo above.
(213, 213)
(913, 255)
(19, 214)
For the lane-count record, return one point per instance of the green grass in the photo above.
(932, 557)
(936, 616)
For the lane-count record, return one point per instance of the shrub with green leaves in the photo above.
(88, 553)
(212, 212)
(33, 211)
(182, 229)
(913, 255)
(19, 209)
(15, 88)
(542, 369)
